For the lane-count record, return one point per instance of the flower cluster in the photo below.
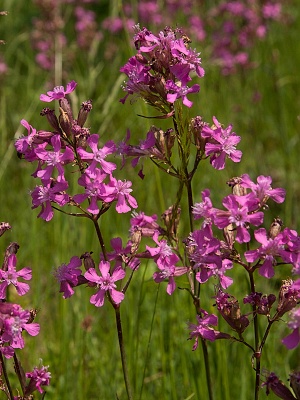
(211, 256)
(67, 145)
(14, 321)
(162, 68)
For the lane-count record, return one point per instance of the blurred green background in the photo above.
(78, 341)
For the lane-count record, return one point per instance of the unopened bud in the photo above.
(84, 111)
(52, 118)
(171, 219)
(196, 126)
(65, 122)
(229, 233)
(11, 249)
(4, 226)
(278, 387)
(275, 228)
(237, 189)
(288, 297)
(164, 141)
(88, 262)
(65, 105)
(135, 239)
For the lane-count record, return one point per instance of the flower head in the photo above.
(58, 92)
(105, 283)
(11, 276)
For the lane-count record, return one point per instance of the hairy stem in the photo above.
(122, 352)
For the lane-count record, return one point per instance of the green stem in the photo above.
(207, 369)
(122, 352)
(11, 396)
(100, 238)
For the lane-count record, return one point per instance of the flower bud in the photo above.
(288, 298)
(171, 219)
(275, 228)
(86, 107)
(135, 238)
(237, 189)
(277, 386)
(52, 118)
(196, 126)
(88, 262)
(4, 226)
(65, 122)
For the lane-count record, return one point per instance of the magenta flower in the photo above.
(98, 155)
(24, 145)
(120, 191)
(221, 144)
(58, 92)
(291, 341)
(10, 277)
(67, 275)
(161, 252)
(268, 251)
(53, 159)
(180, 92)
(120, 254)
(38, 377)
(204, 209)
(263, 303)
(44, 195)
(209, 270)
(204, 251)
(204, 330)
(241, 212)
(95, 190)
(15, 324)
(263, 189)
(146, 224)
(168, 270)
(105, 283)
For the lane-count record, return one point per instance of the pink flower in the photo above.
(180, 92)
(168, 270)
(15, 324)
(38, 377)
(95, 190)
(105, 283)
(220, 144)
(44, 195)
(98, 155)
(11, 277)
(241, 212)
(120, 191)
(263, 189)
(53, 159)
(204, 329)
(67, 275)
(58, 92)
(271, 247)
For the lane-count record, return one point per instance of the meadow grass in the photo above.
(78, 341)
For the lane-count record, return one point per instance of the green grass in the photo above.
(84, 361)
